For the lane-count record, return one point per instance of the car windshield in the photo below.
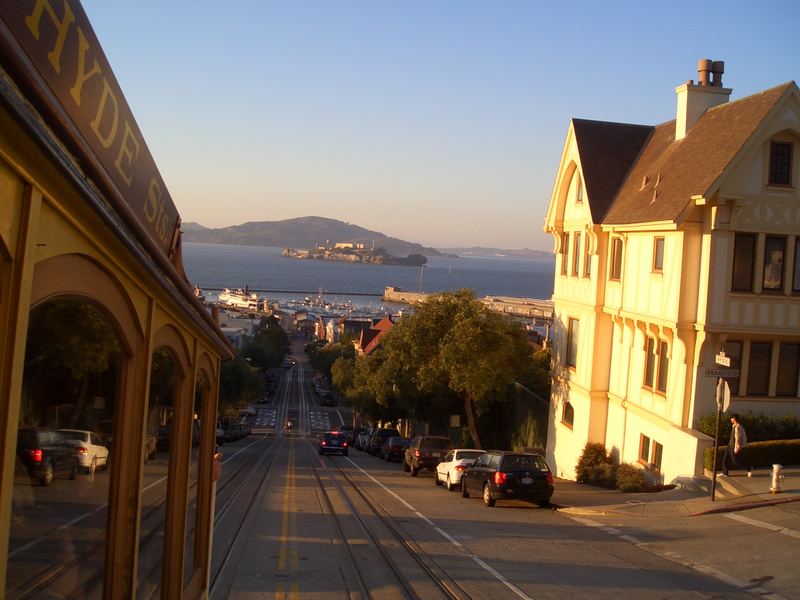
(50, 438)
(468, 454)
(437, 444)
(524, 463)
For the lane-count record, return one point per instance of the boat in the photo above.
(239, 299)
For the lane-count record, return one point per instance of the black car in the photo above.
(46, 454)
(425, 452)
(378, 437)
(333, 442)
(394, 448)
(498, 475)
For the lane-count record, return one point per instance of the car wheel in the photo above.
(414, 471)
(487, 496)
(437, 482)
(406, 468)
(386, 457)
(544, 503)
(93, 466)
(450, 485)
(47, 476)
(74, 471)
(464, 492)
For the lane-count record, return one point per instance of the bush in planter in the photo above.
(630, 478)
(593, 456)
(760, 454)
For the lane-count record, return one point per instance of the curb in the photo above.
(744, 506)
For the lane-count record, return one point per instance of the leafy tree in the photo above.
(239, 383)
(322, 357)
(453, 345)
(269, 346)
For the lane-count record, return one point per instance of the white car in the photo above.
(90, 448)
(453, 465)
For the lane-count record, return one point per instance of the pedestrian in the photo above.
(735, 446)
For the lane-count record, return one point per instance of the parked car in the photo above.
(220, 434)
(326, 398)
(453, 465)
(378, 437)
(46, 454)
(333, 442)
(164, 434)
(394, 448)
(91, 450)
(498, 475)
(363, 438)
(150, 446)
(425, 452)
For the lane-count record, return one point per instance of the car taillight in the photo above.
(81, 450)
(324, 443)
(416, 453)
(460, 467)
(36, 455)
(344, 444)
(549, 479)
(499, 478)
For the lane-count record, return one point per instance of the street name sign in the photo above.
(722, 360)
(722, 372)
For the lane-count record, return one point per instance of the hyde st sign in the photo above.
(57, 59)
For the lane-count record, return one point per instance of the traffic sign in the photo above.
(723, 395)
(722, 372)
(723, 360)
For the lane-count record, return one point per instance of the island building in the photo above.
(90, 265)
(674, 243)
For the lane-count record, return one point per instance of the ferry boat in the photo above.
(239, 299)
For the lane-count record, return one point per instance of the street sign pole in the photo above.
(716, 446)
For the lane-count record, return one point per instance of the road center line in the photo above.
(449, 538)
(763, 525)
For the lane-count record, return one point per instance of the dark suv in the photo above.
(498, 475)
(45, 454)
(425, 452)
(378, 437)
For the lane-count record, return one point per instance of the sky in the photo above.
(438, 122)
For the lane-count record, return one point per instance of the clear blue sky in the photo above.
(440, 122)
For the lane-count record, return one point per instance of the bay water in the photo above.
(264, 268)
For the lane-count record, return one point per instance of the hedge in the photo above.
(760, 454)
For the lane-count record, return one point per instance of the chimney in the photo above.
(694, 100)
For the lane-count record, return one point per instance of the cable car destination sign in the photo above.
(67, 75)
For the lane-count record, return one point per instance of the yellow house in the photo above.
(675, 242)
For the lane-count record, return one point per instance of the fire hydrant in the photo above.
(777, 476)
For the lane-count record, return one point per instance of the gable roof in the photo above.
(691, 166)
(607, 151)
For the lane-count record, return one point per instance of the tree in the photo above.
(269, 346)
(454, 345)
(239, 383)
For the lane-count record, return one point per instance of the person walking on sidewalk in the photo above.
(735, 446)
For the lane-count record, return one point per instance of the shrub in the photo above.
(759, 428)
(594, 455)
(760, 454)
(630, 478)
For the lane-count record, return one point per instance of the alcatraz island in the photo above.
(355, 252)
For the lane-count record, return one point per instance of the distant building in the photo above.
(370, 339)
(675, 242)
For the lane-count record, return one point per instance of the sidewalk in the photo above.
(691, 498)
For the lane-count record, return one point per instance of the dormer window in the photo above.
(780, 163)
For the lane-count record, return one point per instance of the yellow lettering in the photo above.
(34, 19)
(129, 151)
(152, 201)
(101, 110)
(82, 75)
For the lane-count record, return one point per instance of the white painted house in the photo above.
(673, 242)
